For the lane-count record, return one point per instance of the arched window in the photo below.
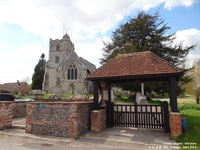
(57, 59)
(72, 72)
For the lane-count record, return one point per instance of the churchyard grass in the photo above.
(191, 136)
(124, 99)
(131, 100)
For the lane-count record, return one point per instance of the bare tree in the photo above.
(193, 87)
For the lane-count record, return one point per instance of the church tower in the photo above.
(65, 71)
(59, 49)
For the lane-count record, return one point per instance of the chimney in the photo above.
(18, 82)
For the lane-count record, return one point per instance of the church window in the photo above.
(72, 72)
(57, 47)
(57, 59)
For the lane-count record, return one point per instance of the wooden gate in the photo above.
(141, 116)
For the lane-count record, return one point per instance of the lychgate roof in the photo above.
(130, 66)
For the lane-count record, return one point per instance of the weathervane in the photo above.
(64, 29)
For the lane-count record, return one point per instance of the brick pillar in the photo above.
(73, 125)
(6, 115)
(175, 124)
(98, 120)
(29, 119)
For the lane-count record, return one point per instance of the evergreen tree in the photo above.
(147, 32)
(37, 78)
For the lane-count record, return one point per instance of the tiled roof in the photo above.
(135, 64)
(13, 87)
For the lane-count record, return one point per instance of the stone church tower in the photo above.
(65, 71)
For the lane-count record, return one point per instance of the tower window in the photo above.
(72, 72)
(57, 59)
(57, 47)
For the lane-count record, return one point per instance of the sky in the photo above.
(27, 25)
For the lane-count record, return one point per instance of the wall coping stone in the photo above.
(59, 102)
(98, 110)
(174, 113)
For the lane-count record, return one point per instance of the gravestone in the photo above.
(141, 99)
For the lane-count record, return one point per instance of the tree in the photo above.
(37, 78)
(146, 32)
(193, 87)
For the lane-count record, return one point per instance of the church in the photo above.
(65, 71)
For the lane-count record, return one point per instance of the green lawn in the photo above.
(192, 135)
(124, 99)
(127, 100)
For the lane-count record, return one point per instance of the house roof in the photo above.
(140, 65)
(12, 87)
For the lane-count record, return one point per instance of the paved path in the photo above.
(116, 138)
(108, 139)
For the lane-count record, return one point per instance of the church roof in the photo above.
(91, 67)
(135, 65)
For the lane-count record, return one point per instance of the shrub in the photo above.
(188, 106)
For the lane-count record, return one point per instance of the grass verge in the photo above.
(190, 139)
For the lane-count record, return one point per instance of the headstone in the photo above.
(138, 94)
(141, 99)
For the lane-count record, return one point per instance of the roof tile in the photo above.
(135, 64)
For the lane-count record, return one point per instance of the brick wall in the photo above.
(6, 115)
(175, 124)
(63, 119)
(98, 120)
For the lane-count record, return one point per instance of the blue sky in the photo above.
(25, 29)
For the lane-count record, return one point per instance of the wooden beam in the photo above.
(96, 95)
(173, 94)
(109, 92)
(109, 108)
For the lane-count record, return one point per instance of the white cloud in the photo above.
(83, 19)
(87, 20)
(47, 18)
(190, 37)
(169, 4)
(91, 51)
(21, 64)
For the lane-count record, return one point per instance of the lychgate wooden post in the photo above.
(109, 109)
(165, 115)
(96, 95)
(173, 94)
(136, 114)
